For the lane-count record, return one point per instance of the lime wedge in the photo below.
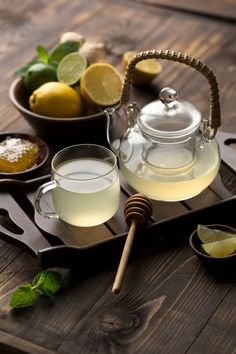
(221, 248)
(71, 67)
(207, 235)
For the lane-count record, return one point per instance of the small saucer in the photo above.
(42, 157)
(209, 261)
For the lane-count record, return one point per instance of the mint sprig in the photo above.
(24, 68)
(45, 283)
(42, 53)
(61, 51)
(24, 296)
(43, 56)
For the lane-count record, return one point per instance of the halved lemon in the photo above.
(101, 84)
(221, 248)
(145, 71)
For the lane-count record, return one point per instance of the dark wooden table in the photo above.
(169, 303)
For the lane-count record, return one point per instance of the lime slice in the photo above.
(221, 248)
(207, 235)
(71, 67)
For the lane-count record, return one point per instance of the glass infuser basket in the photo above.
(166, 151)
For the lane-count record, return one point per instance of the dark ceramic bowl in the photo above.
(89, 123)
(212, 262)
(42, 156)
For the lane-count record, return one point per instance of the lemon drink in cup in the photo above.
(85, 185)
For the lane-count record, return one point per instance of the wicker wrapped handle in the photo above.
(214, 119)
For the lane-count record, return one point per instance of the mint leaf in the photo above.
(38, 279)
(24, 296)
(24, 68)
(47, 283)
(61, 51)
(42, 53)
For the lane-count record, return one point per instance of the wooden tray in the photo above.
(20, 230)
(56, 244)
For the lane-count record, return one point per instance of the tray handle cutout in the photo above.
(17, 228)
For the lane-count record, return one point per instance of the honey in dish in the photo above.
(17, 155)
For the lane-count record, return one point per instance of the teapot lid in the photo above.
(168, 118)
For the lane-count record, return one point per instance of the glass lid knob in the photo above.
(167, 96)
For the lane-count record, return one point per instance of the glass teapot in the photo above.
(166, 151)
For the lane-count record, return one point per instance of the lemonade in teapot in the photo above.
(166, 151)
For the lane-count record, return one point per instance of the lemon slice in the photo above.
(207, 235)
(101, 84)
(221, 248)
(145, 71)
(71, 67)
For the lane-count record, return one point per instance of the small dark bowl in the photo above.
(90, 123)
(42, 157)
(212, 263)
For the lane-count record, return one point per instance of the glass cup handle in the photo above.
(43, 189)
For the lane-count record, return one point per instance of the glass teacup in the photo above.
(85, 185)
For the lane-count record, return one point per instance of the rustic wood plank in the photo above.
(218, 187)
(173, 280)
(165, 287)
(219, 339)
(206, 197)
(223, 9)
(11, 344)
(204, 40)
(53, 329)
(128, 324)
(7, 254)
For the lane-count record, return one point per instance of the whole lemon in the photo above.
(55, 99)
(38, 74)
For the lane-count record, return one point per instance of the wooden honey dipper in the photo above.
(137, 211)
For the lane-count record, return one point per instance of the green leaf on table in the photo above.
(23, 296)
(42, 53)
(61, 51)
(47, 283)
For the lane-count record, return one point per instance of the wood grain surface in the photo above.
(169, 303)
(224, 9)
